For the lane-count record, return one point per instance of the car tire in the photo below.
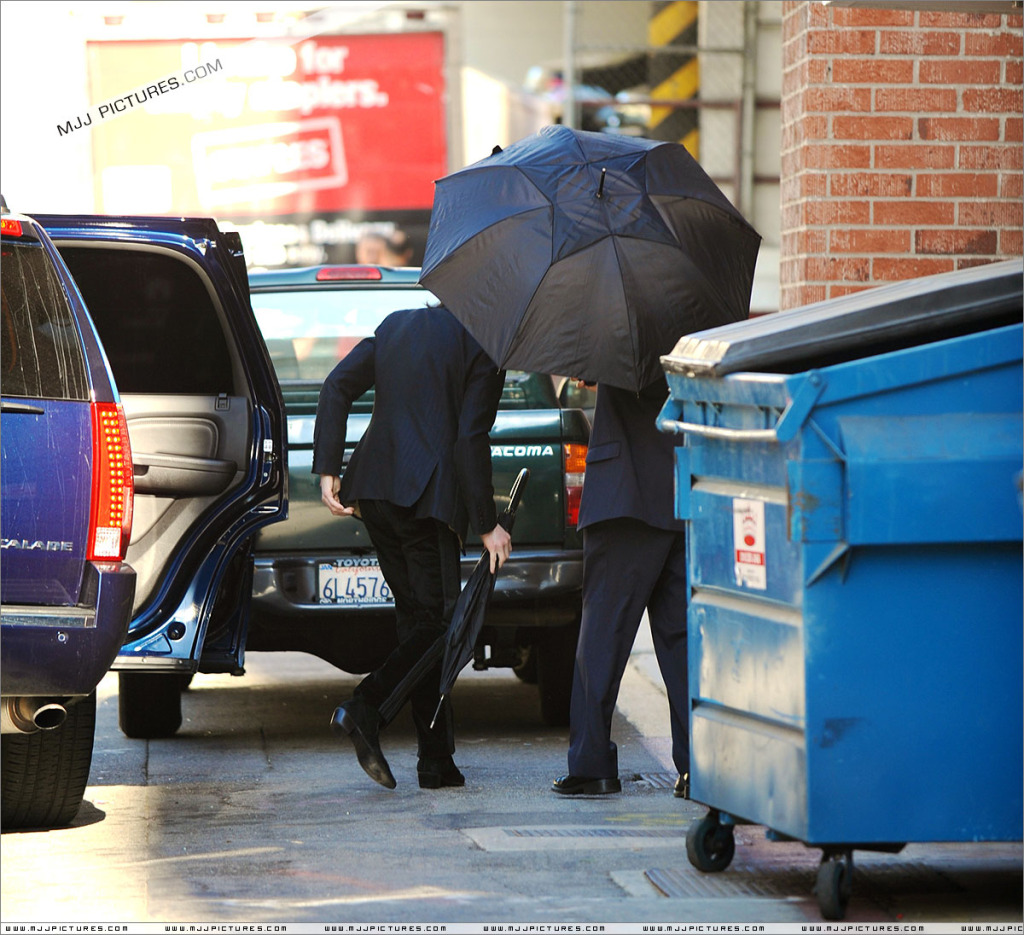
(148, 704)
(44, 774)
(526, 671)
(556, 658)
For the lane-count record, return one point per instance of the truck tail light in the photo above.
(575, 467)
(347, 273)
(113, 486)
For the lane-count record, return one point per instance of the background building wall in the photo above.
(901, 150)
(493, 48)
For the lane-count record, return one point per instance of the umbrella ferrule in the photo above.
(600, 186)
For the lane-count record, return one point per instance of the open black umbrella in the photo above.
(471, 606)
(587, 254)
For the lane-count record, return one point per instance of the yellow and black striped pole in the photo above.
(674, 76)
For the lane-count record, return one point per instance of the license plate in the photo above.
(355, 582)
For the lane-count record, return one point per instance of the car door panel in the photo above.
(181, 475)
(186, 451)
(204, 413)
(187, 445)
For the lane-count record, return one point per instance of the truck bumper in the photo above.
(286, 587)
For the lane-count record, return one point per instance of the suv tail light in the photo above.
(113, 486)
(575, 467)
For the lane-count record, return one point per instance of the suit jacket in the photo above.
(630, 463)
(427, 444)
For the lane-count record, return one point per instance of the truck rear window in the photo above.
(40, 348)
(308, 331)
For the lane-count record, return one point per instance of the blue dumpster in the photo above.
(850, 478)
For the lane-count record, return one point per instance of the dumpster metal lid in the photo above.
(862, 324)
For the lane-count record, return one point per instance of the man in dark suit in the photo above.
(419, 476)
(633, 558)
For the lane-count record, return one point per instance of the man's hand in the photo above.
(499, 543)
(330, 484)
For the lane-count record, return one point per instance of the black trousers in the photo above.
(420, 562)
(627, 566)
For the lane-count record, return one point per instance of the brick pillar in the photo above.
(901, 145)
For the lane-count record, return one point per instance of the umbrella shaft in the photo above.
(393, 703)
(437, 712)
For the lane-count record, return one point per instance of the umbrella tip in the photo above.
(496, 150)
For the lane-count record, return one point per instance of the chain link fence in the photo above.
(682, 70)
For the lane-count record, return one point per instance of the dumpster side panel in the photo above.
(751, 768)
(757, 463)
(947, 478)
(978, 373)
(914, 696)
(751, 657)
(717, 507)
(745, 637)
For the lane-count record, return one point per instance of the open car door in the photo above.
(170, 300)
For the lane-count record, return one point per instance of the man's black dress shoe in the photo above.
(585, 785)
(359, 721)
(438, 773)
(681, 790)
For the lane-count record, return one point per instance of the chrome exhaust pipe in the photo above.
(25, 715)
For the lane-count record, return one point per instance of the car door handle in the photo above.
(25, 409)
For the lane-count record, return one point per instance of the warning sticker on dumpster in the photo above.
(748, 543)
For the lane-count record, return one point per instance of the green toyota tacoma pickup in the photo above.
(316, 584)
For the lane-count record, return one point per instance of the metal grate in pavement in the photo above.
(657, 780)
(579, 838)
(878, 881)
(679, 833)
(689, 883)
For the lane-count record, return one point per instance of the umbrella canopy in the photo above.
(471, 606)
(587, 254)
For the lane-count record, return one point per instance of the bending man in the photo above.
(418, 478)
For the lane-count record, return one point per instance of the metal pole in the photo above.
(748, 111)
(453, 60)
(569, 71)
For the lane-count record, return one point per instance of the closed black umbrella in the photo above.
(456, 646)
(471, 606)
(587, 254)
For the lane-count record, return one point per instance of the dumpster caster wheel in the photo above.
(710, 845)
(834, 885)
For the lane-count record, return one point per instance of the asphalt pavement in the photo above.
(255, 815)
